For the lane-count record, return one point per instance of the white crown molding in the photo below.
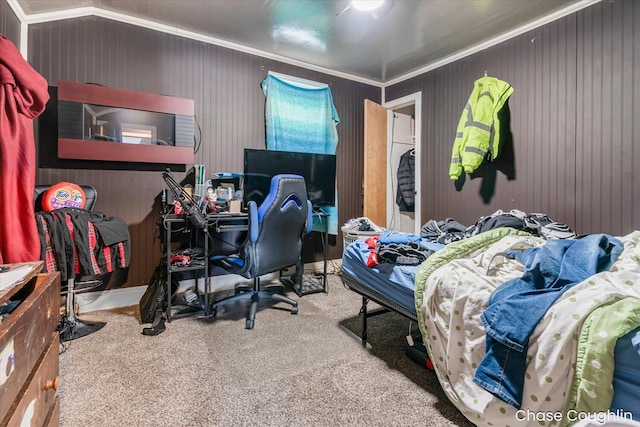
(575, 7)
(144, 23)
(93, 11)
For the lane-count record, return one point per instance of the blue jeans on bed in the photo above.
(516, 307)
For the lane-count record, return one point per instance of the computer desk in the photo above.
(228, 222)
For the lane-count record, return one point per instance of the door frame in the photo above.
(414, 99)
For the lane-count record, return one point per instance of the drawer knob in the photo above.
(52, 384)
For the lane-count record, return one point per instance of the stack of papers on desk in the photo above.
(13, 276)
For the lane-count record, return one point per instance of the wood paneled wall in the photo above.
(9, 23)
(576, 145)
(574, 138)
(229, 106)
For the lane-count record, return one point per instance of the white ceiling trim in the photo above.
(506, 36)
(81, 12)
(93, 11)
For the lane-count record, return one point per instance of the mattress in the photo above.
(394, 282)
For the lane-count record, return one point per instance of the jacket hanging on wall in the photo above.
(23, 96)
(406, 181)
(478, 132)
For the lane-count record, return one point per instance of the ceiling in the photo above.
(401, 39)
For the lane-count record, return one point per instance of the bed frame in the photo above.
(369, 294)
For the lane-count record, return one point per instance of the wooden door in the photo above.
(374, 184)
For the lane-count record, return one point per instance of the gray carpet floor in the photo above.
(302, 370)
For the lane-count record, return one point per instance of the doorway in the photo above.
(391, 131)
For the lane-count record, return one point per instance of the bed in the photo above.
(583, 358)
(388, 285)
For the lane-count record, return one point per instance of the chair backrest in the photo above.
(276, 227)
(90, 193)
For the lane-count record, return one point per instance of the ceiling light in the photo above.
(366, 5)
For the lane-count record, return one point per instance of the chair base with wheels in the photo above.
(255, 295)
(274, 242)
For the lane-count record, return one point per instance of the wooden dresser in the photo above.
(29, 349)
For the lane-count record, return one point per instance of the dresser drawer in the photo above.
(39, 397)
(53, 419)
(26, 334)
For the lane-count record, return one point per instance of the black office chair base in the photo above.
(255, 297)
(81, 327)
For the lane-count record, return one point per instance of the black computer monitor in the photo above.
(318, 170)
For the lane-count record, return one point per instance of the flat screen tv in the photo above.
(318, 170)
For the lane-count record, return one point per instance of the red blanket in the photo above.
(23, 96)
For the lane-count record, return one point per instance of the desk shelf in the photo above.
(176, 311)
(192, 267)
(221, 222)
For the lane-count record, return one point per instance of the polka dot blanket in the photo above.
(570, 364)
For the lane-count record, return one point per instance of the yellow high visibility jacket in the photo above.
(477, 136)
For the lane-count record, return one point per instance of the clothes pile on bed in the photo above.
(397, 248)
(512, 344)
(526, 323)
(394, 256)
(449, 230)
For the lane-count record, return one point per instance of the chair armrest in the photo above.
(253, 221)
(309, 216)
